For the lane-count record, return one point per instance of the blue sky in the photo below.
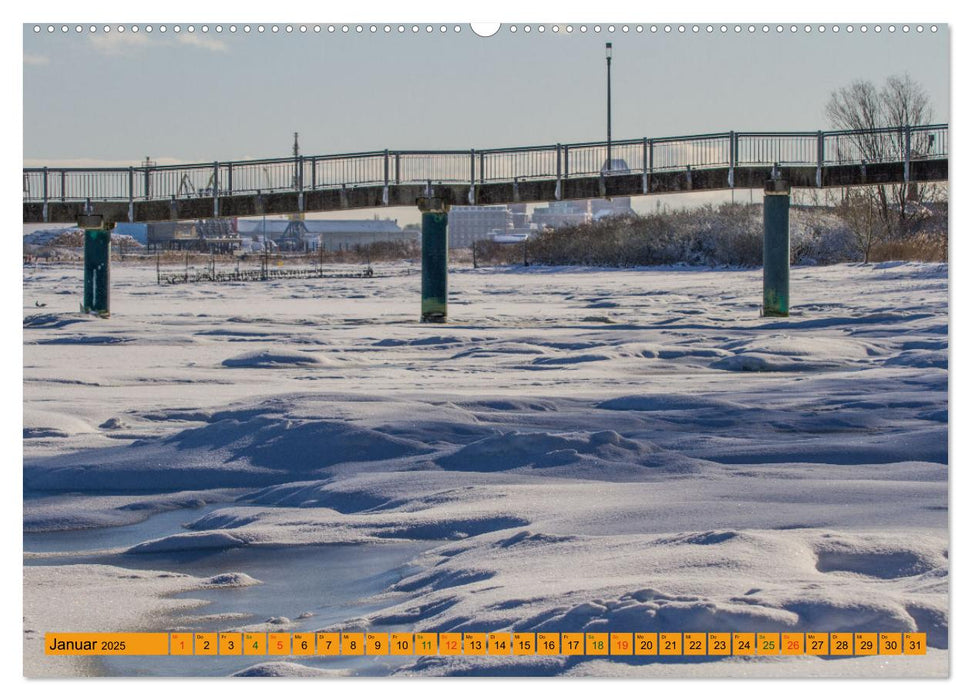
(117, 98)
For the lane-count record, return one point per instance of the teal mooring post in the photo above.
(775, 249)
(434, 260)
(97, 265)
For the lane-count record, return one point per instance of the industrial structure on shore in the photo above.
(467, 224)
(228, 235)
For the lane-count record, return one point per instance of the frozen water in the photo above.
(687, 466)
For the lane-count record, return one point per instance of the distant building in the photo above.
(618, 206)
(560, 214)
(205, 235)
(171, 235)
(329, 234)
(519, 216)
(469, 224)
(269, 230)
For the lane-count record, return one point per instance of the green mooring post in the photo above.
(434, 260)
(775, 249)
(97, 265)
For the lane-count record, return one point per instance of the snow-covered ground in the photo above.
(577, 450)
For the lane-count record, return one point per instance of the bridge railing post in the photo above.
(471, 176)
(644, 186)
(148, 183)
(131, 194)
(215, 189)
(732, 157)
(229, 179)
(387, 167)
(45, 195)
(482, 158)
(566, 162)
(559, 171)
(397, 168)
(300, 204)
(907, 155)
(650, 156)
(820, 157)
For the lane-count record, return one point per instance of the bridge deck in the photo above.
(500, 176)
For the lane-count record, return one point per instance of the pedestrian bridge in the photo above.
(721, 161)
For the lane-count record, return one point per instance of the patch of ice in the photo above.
(235, 579)
(189, 541)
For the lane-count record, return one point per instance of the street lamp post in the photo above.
(610, 51)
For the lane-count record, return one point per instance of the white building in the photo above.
(469, 224)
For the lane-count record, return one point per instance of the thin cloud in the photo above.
(36, 59)
(203, 42)
(114, 43)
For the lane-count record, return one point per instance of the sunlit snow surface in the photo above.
(576, 450)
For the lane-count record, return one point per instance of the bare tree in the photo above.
(860, 215)
(901, 102)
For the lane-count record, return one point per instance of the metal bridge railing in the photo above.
(560, 161)
(508, 164)
(793, 148)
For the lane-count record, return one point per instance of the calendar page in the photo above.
(549, 349)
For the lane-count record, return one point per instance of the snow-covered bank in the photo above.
(602, 450)
(92, 598)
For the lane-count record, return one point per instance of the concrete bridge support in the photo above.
(97, 265)
(434, 259)
(775, 248)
